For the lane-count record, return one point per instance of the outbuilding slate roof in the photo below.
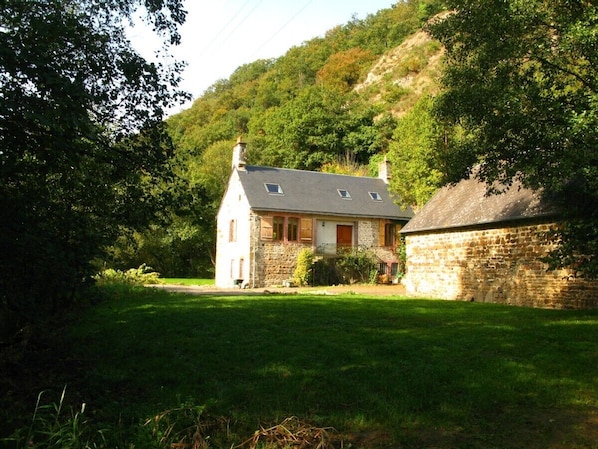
(467, 203)
(317, 193)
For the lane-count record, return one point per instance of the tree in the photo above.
(521, 79)
(83, 149)
(344, 69)
(317, 127)
(416, 166)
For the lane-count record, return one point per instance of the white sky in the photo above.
(220, 36)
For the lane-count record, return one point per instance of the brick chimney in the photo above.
(239, 149)
(384, 171)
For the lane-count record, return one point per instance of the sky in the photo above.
(221, 35)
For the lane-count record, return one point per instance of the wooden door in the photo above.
(344, 235)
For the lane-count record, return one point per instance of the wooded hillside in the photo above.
(332, 98)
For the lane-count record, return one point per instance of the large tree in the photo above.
(521, 79)
(319, 126)
(417, 168)
(82, 144)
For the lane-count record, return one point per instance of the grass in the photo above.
(187, 281)
(382, 372)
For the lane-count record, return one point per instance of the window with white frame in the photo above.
(344, 194)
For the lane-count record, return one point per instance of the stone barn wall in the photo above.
(498, 265)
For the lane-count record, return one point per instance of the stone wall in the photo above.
(276, 262)
(493, 265)
(368, 233)
(369, 238)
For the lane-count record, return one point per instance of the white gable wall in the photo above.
(233, 246)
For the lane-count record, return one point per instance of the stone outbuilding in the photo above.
(268, 215)
(466, 244)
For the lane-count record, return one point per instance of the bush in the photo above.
(350, 267)
(303, 271)
(357, 265)
(326, 272)
(134, 276)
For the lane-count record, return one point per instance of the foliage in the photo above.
(326, 272)
(520, 79)
(344, 69)
(302, 273)
(182, 426)
(313, 129)
(134, 276)
(357, 265)
(416, 165)
(56, 426)
(176, 247)
(345, 167)
(388, 28)
(83, 149)
(182, 241)
(352, 265)
(402, 256)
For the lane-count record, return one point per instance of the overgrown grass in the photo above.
(383, 372)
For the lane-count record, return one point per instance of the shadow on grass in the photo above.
(384, 372)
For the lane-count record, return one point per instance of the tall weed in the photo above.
(56, 426)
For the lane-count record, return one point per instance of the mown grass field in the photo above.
(383, 372)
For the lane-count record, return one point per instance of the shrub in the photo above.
(134, 276)
(349, 267)
(326, 272)
(303, 271)
(357, 265)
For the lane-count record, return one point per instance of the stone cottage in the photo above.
(268, 215)
(468, 245)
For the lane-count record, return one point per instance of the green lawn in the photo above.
(383, 372)
(187, 281)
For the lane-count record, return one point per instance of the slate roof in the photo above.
(467, 204)
(316, 193)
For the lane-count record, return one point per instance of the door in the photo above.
(344, 235)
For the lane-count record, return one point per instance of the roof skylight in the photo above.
(273, 189)
(375, 196)
(344, 194)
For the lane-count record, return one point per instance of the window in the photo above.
(375, 196)
(232, 231)
(278, 228)
(273, 189)
(389, 234)
(292, 229)
(344, 194)
(382, 268)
